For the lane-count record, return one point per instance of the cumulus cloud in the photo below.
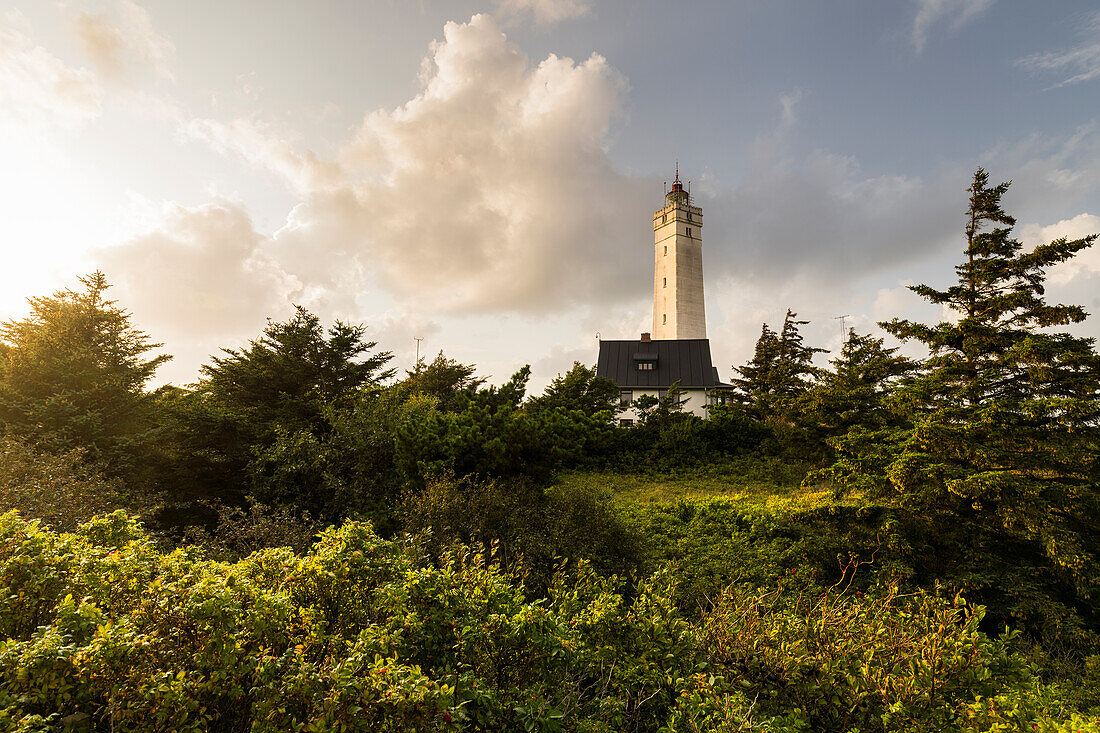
(544, 11)
(492, 191)
(1085, 263)
(37, 89)
(955, 13)
(124, 43)
(1081, 62)
(491, 188)
(202, 272)
(259, 144)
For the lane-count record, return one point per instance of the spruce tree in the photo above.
(73, 375)
(795, 371)
(1005, 415)
(754, 385)
(780, 372)
(856, 389)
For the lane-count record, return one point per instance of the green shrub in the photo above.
(885, 662)
(364, 634)
(61, 489)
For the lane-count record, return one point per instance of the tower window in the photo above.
(664, 218)
(664, 318)
(665, 283)
(666, 250)
(689, 231)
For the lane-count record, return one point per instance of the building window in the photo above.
(664, 218)
(689, 231)
(664, 319)
(626, 396)
(666, 250)
(626, 422)
(665, 282)
(643, 366)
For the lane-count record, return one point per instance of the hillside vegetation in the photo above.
(306, 540)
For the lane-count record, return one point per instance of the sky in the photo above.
(482, 175)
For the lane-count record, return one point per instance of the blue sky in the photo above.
(482, 174)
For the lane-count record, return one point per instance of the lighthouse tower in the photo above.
(678, 310)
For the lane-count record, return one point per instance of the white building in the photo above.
(678, 352)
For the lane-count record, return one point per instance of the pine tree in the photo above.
(1006, 412)
(73, 375)
(754, 386)
(856, 389)
(579, 389)
(780, 371)
(795, 371)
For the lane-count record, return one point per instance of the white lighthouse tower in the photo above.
(678, 310)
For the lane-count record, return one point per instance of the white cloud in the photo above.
(259, 144)
(201, 273)
(37, 89)
(1085, 263)
(956, 13)
(123, 44)
(492, 188)
(544, 11)
(1081, 62)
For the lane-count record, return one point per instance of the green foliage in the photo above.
(274, 393)
(856, 391)
(62, 490)
(73, 376)
(444, 379)
(528, 528)
(780, 372)
(888, 662)
(1001, 462)
(712, 542)
(579, 389)
(489, 434)
(361, 634)
(240, 532)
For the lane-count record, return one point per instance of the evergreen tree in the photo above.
(73, 375)
(780, 372)
(278, 389)
(856, 390)
(579, 389)
(755, 384)
(1002, 456)
(443, 378)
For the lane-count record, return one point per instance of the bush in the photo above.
(711, 543)
(364, 634)
(240, 532)
(60, 489)
(527, 527)
(886, 662)
(358, 634)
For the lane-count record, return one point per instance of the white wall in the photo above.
(695, 402)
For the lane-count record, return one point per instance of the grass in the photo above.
(753, 480)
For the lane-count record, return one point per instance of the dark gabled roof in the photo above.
(686, 361)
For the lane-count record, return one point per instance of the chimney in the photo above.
(645, 338)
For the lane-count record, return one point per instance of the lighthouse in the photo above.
(674, 358)
(678, 309)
